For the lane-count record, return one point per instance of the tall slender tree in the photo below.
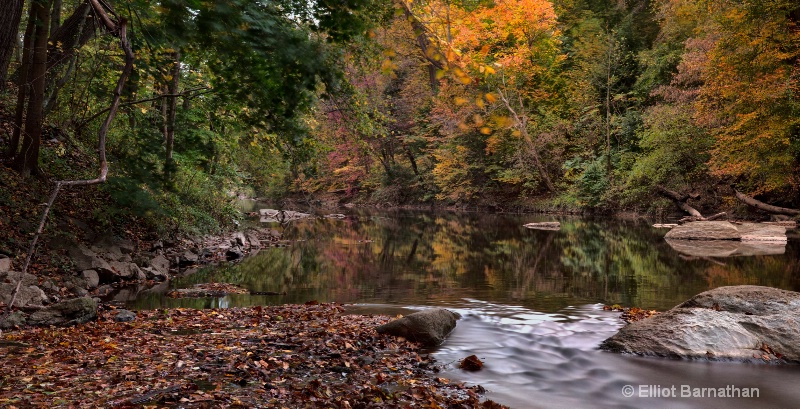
(10, 15)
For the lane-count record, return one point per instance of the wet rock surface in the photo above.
(428, 327)
(741, 323)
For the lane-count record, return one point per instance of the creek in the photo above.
(531, 300)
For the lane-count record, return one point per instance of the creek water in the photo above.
(531, 300)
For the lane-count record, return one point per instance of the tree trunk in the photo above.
(27, 160)
(521, 123)
(23, 90)
(76, 31)
(412, 160)
(10, 14)
(55, 16)
(765, 207)
(429, 52)
(680, 201)
(65, 39)
(171, 107)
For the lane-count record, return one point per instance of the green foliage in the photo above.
(593, 183)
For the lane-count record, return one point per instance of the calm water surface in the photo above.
(531, 300)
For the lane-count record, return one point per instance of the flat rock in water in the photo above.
(208, 290)
(428, 327)
(705, 230)
(544, 226)
(740, 323)
(665, 225)
(723, 230)
(281, 216)
(762, 232)
(726, 248)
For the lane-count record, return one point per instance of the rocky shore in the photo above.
(96, 269)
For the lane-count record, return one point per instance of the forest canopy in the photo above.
(582, 104)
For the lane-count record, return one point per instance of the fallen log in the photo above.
(766, 207)
(680, 201)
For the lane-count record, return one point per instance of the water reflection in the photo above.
(425, 258)
(530, 299)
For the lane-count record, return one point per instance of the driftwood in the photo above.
(765, 207)
(688, 219)
(680, 201)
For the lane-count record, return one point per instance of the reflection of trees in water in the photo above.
(420, 257)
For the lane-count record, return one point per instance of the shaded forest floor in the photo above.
(297, 356)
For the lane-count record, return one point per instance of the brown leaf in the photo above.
(471, 363)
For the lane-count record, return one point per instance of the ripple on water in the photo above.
(544, 360)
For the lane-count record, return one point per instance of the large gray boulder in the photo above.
(86, 259)
(160, 264)
(127, 271)
(742, 323)
(65, 313)
(428, 327)
(29, 293)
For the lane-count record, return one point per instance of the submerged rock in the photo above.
(742, 323)
(428, 327)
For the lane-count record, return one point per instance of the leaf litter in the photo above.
(291, 356)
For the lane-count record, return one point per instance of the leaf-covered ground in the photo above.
(290, 356)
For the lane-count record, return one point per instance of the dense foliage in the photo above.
(589, 104)
(578, 103)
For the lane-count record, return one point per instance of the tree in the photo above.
(518, 38)
(10, 15)
(26, 160)
(749, 99)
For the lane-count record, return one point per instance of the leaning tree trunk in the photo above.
(27, 160)
(10, 14)
(679, 200)
(765, 207)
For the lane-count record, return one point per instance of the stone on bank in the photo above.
(736, 323)
(428, 327)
